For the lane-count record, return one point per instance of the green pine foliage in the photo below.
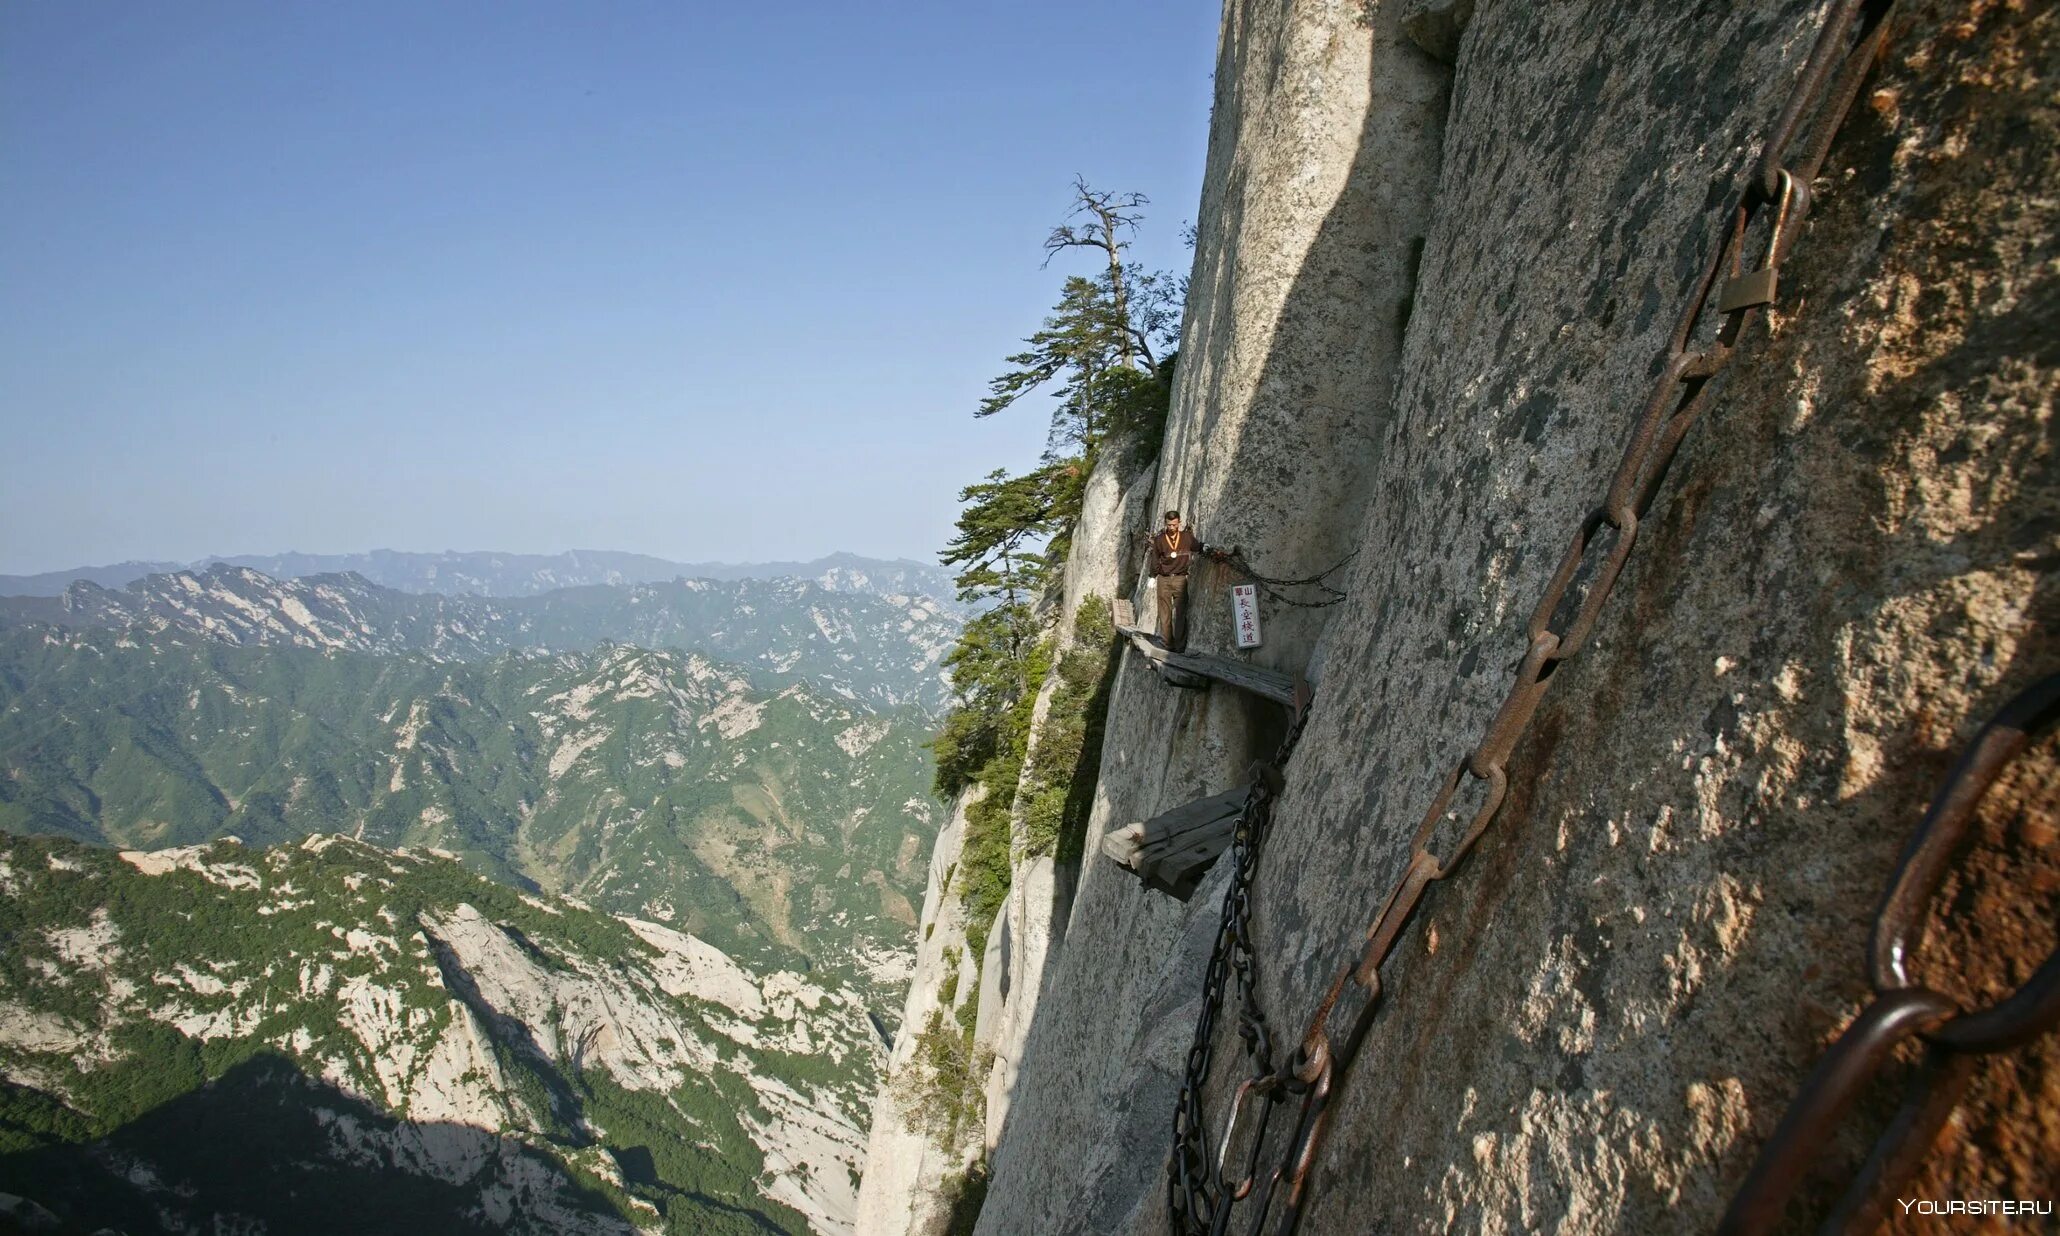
(987, 849)
(1060, 780)
(942, 1090)
(1098, 355)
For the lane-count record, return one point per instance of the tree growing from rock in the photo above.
(1104, 354)
(1100, 348)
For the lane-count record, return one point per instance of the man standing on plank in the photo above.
(1172, 550)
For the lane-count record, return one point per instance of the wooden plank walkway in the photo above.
(1190, 669)
(1173, 850)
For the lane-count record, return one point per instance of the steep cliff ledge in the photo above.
(1428, 303)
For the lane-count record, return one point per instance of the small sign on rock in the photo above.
(1244, 614)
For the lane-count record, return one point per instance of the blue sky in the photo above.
(703, 281)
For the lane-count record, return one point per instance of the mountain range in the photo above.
(483, 573)
(883, 648)
(335, 1037)
(579, 909)
(770, 791)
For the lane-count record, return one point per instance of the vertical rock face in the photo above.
(1323, 155)
(1596, 1022)
(1104, 561)
(1105, 558)
(906, 1163)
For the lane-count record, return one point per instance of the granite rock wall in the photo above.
(1594, 1025)
(907, 1163)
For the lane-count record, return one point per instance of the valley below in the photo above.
(583, 910)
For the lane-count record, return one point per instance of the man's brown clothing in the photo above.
(1170, 556)
(1172, 590)
(1172, 551)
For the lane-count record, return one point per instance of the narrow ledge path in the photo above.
(1198, 670)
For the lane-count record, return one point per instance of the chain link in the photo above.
(1195, 1179)
(1724, 303)
(1235, 560)
(1903, 1010)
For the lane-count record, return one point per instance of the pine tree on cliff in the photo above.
(1002, 536)
(1103, 355)
(1098, 351)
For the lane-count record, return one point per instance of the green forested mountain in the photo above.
(361, 930)
(774, 819)
(332, 1037)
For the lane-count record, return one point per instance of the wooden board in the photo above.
(1184, 668)
(1167, 827)
(1179, 872)
(1122, 844)
(1173, 676)
(1172, 850)
(1198, 848)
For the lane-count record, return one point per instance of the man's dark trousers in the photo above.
(1173, 611)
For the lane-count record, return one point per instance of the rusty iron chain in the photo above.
(1235, 560)
(1726, 298)
(1901, 1009)
(1195, 1185)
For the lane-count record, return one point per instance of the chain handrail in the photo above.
(1724, 303)
(1234, 558)
(1902, 1009)
(1192, 1172)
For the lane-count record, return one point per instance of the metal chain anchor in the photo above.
(1901, 1009)
(1771, 204)
(1195, 1180)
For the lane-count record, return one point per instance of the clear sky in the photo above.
(703, 281)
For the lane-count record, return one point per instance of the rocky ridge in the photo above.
(777, 819)
(883, 649)
(521, 1050)
(516, 575)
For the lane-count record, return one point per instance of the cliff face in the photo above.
(910, 1157)
(918, 1156)
(1427, 304)
(1323, 157)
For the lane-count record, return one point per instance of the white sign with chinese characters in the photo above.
(1244, 614)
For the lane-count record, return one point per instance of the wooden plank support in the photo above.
(1188, 669)
(1160, 834)
(1172, 850)
(1179, 872)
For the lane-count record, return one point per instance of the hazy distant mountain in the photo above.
(53, 583)
(882, 648)
(487, 574)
